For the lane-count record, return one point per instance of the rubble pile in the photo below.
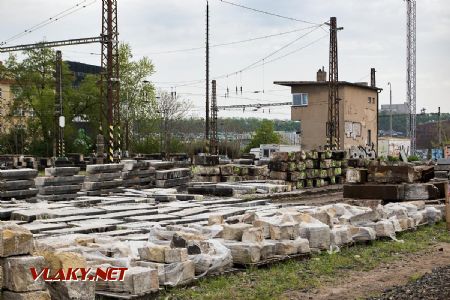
(308, 168)
(18, 184)
(103, 179)
(59, 183)
(138, 174)
(402, 182)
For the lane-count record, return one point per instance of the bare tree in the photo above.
(170, 108)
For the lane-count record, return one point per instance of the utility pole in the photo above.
(333, 132)
(439, 127)
(58, 145)
(390, 109)
(110, 76)
(411, 70)
(214, 109)
(207, 74)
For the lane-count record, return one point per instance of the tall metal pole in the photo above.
(439, 127)
(58, 148)
(411, 70)
(214, 109)
(110, 75)
(207, 74)
(390, 109)
(333, 131)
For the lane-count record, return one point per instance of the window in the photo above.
(300, 99)
(1, 94)
(369, 137)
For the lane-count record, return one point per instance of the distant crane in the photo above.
(411, 70)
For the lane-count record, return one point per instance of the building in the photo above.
(392, 146)
(397, 109)
(358, 112)
(11, 118)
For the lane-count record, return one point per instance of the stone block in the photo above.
(179, 273)
(17, 276)
(16, 185)
(57, 260)
(73, 290)
(36, 295)
(18, 174)
(285, 231)
(244, 253)
(62, 171)
(106, 168)
(234, 231)
(51, 181)
(374, 191)
(421, 191)
(137, 281)
(356, 175)
(175, 255)
(14, 240)
(253, 235)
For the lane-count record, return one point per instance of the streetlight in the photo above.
(390, 109)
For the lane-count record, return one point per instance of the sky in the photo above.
(374, 35)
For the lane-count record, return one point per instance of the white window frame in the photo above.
(304, 99)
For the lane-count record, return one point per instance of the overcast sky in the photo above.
(374, 35)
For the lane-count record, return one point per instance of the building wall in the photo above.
(10, 119)
(360, 117)
(355, 110)
(313, 117)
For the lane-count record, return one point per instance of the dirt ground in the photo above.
(361, 285)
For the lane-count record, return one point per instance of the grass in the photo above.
(272, 282)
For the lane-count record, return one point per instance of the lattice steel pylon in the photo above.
(59, 131)
(333, 132)
(214, 143)
(110, 84)
(411, 70)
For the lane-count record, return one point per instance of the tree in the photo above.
(264, 135)
(171, 109)
(138, 102)
(34, 96)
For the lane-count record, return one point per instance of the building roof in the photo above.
(325, 83)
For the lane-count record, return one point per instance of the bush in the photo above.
(413, 158)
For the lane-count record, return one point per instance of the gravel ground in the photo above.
(435, 285)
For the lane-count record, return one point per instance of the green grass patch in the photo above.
(272, 282)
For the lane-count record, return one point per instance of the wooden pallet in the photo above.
(103, 295)
(273, 260)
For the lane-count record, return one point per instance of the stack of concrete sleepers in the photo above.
(172, 177)
(60, 183)
(442, 169)
(307, 169)
(103, 179)
(138, 173)
(18, 184)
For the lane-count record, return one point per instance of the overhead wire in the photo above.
(50, 20)
(268, 13)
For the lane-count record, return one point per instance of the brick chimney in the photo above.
(321, 75)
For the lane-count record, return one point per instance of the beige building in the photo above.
(10, 118)
(358, 111)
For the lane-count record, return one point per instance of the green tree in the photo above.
(264, 135)
(138, 101)
(34, 95)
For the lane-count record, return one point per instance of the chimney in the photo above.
(321, 75)
(373, 82)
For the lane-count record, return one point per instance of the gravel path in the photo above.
(434, 285)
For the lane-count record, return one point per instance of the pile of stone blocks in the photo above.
(308, 168)
(138, 173)
(172, 177)
(59, 184)
(442, 168)
(229, 173)
(103, 179)
(402, 182)
(18, 184)
(16, 245)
